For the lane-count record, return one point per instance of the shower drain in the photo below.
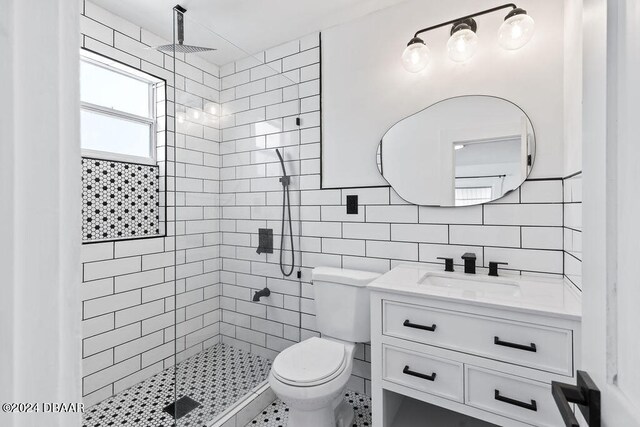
(181, 407)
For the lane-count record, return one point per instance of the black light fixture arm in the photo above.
(464, 18)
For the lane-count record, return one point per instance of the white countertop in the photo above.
(540, 295)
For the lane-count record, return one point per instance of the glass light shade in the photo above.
(516, 31)
(462, 45)
(415, 57)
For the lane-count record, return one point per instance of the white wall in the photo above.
(39, 213)
(366, 90)
(573, 87)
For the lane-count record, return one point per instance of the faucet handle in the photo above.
(493, 267)
(448, 263)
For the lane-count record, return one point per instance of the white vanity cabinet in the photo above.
(488, 355)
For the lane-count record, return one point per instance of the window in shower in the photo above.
(122, 119)
(118, 115)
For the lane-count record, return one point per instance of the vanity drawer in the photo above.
(513, 397)
(539, 347)
(423, 372)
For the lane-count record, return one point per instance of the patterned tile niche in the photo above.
(119, 200)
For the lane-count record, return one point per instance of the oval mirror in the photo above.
(461, 151)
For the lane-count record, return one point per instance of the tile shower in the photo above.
(134, 326)
(138, 323)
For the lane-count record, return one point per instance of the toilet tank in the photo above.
(342, 303)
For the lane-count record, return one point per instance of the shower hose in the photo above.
(286, 208)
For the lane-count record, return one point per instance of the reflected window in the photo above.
(118, 111)
(473, 195)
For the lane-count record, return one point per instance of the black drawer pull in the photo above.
(533, 406)
(531, 347)
(408, 324)
(408, 371)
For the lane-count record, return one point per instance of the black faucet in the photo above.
(469, 263)
(262, 293)
(448, 263)
(493, 268)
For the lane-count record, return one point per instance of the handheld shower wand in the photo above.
(286, 206)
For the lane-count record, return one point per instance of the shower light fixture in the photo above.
(516, 31)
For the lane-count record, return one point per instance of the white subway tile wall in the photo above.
(226, 187)
(572, 235)
(129, 306)
(524, 229)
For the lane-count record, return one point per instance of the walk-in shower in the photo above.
(212, 308)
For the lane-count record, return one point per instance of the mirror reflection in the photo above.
(461, 151)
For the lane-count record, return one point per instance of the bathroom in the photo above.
(222, 214)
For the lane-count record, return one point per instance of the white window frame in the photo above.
(151, 121)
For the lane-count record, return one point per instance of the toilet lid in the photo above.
(309, 362)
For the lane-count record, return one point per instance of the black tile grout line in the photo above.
(573, 256)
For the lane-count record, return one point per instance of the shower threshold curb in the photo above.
(246, 409)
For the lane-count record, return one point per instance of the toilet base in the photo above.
(344, 414)
(341, 416)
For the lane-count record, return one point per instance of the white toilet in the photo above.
(311, 376)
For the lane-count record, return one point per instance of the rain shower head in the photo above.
(180, 47)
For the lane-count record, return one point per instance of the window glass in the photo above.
(473, 195)
(112, 89)
(112, 134)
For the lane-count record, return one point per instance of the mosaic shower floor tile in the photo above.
(277, 413)
(215, 378)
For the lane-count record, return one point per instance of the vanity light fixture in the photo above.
(516, 31)
(463, 41)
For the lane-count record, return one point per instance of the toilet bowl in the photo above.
(311, 376)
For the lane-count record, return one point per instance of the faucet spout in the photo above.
(261, 293)
(469, 263)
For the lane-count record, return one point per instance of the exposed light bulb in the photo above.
(415, 56)
(516, 30)
(462, 44)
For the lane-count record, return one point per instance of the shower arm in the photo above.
(180, 11)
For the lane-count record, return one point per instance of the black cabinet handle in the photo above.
(531, 347)
(533, 406)
(408, 371)
(408, 324)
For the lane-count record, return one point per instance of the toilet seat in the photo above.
(309, 363)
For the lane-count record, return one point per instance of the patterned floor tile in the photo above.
(277, 413)
(216, 378)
